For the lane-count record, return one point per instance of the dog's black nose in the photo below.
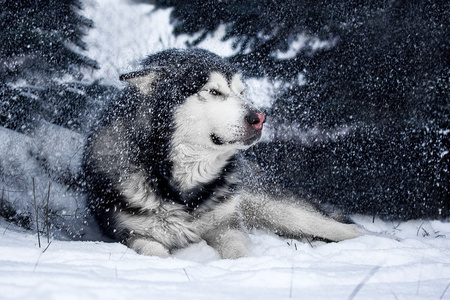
(256, 119)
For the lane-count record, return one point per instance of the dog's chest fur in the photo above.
(194, 166)
(200, 184)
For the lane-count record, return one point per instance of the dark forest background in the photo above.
(381, 76)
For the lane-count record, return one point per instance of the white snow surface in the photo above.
(369, 267)
(416, 266)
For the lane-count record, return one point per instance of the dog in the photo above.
(163, 168)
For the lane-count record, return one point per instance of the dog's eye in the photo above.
(215, 92)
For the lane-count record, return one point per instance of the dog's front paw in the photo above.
(231, 244)
(148, 247)
(233, 251)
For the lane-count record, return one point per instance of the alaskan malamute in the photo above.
(162, 169)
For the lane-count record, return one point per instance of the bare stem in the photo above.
(36, 211)
(3, 194)
(46, 213)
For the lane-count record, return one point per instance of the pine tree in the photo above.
(40, 44)
(378, 57)
(377, 68)
(41, 70)
(38, 39)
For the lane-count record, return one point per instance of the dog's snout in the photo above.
(256, 119)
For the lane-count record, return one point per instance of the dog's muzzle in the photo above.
(255, 121)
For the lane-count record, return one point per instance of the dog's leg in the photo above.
(221, 229)
(299, 219)
(230, 243)
(147, 247)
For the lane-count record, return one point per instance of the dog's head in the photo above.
(218, 115)
(201, 97)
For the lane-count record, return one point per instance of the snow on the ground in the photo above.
(368, 267)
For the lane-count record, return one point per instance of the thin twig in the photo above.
(36, 211)
(123, 254)
(420, 278)
(3, 194)
(37, 261)
(40, 254)
(7, 227)
(185, 272)
(445, 290)
(14, 191)
(46, 247)
(418, 229)
(363, 282)
(46, 213)
(292, 281)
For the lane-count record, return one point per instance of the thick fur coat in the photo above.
(162, 169)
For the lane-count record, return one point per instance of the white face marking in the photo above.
(219, 108)
(209, 127)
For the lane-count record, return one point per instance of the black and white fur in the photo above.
(162, 170)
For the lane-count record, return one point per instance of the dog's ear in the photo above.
(144, 80)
